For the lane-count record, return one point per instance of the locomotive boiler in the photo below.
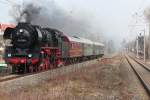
(34, 48)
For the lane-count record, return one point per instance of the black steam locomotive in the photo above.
(34, 48)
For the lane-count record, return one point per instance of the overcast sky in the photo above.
(110, 17)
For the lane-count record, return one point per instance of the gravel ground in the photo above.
(109, 79)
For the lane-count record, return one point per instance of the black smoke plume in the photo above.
(48, 14)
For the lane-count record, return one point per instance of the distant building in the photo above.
(4, 26)
(2, 29)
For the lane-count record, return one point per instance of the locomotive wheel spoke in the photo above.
(39, 68)
(31, 69)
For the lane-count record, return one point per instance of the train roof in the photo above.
(79, 39)
(97, 43)
(83, 40)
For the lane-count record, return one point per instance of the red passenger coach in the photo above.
(76, 48)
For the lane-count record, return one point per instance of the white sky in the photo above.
(111, 17)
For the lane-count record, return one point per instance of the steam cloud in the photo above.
(48, 14)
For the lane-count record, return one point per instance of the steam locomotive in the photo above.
(34, 48)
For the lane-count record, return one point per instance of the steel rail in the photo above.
(145, 85)
(141, 63)
(20, 75)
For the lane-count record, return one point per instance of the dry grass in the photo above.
(98, 82)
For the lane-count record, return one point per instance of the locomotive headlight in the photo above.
(29, 55)
(21, 30)
(9, 55)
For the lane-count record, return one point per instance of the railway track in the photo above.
(142, 71)
(9, 76)
(12, 82)
(15, 76)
